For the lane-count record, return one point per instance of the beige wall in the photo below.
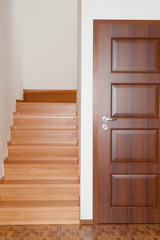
(50, 44)
(10, 68)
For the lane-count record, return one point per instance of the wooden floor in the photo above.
(81, 232)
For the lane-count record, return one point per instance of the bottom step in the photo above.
(36, 212)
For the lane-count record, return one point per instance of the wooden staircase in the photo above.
(41, 183)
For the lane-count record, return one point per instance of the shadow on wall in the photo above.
(10, 71)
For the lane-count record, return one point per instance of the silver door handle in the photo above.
(106, 119)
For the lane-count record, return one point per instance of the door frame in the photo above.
(95, 99)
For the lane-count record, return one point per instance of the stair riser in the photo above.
(46, 110)
(38, 217)
(43, 155)
(48, 123)
(33, 138)
(40, 173)
(39, 194)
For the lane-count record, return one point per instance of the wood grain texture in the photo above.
(131, 100)
(48, 217)
(126, 87)
(41, 183)
(143, 187)
(45, 122)
(55, 96)
(43, 136)
(123, 138)
(86, 222)
(39, 191)
(21, 212)
(40, 152)
(40, 171)
(79, 232)
(46, 108)
(135, 55)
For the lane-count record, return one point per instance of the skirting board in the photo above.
(86, 222)
(55, 96)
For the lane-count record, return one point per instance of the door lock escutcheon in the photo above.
(104, 126)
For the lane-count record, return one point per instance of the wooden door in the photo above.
(126, 89)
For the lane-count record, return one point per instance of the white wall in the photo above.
(100, 9)
(10, 69)
(50, 44)
(79, 74)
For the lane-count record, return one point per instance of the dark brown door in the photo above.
(126, 121)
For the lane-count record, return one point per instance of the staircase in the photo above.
(41, 183)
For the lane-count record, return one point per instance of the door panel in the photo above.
(140, 190)
(135, 55)
(135, 100)
(134, 145)
(126, 90)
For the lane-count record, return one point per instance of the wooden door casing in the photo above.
(126, 163)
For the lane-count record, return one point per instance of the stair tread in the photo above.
(41, 146)
(36, 182)
(43, 130)
(45, 104)
(39, 204)
(60, 161)
(43, 163)
(33, 184)
(19, 115)
(55, 160)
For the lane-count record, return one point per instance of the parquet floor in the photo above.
(81, 232)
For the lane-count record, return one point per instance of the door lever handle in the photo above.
(106, 119)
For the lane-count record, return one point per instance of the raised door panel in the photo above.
(135, 100)
(134, 190)
(135, 55)
(139, 145)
